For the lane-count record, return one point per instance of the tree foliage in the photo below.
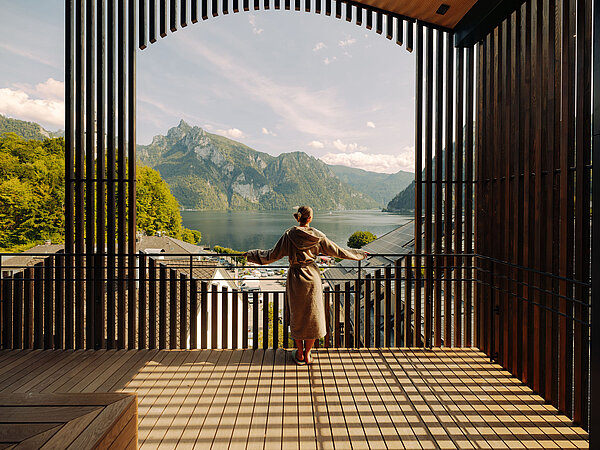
(360, 238)
(32, 177)
(240, 259)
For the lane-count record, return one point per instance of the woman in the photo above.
(302, 244)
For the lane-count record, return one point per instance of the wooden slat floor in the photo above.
(368, 398)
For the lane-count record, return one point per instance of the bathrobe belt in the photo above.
(302, 264)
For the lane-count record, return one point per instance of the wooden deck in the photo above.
(370, 398)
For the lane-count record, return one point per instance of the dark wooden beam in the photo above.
(481, 19)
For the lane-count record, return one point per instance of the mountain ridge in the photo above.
(210, 172)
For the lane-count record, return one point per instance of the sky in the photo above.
(278, 81)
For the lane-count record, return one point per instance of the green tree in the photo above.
(360, 238)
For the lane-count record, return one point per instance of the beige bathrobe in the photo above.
(302, 245)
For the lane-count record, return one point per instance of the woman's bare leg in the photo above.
(300, 347)
(308, 345)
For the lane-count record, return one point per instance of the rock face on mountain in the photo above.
(209, 172)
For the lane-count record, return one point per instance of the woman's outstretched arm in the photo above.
(268, 256)
(330, 248)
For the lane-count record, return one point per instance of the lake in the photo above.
(244, 230)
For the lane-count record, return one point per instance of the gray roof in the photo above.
(169, 245)
(25, 259)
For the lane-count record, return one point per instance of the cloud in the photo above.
(26, 53)
(316, 144)
(347, 42)
(328, 60)
(305, 109)
(255, 29)
(370, 124)
(339, 145)
(47, 109)
(232, 133)
(319, 46)
(267, 132)
(374, 162)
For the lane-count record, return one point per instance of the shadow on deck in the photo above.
(368, 398)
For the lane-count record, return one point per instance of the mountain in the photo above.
(28, 130)
(404, 200)
(380, 186)
(210, 172)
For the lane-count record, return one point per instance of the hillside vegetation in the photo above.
(32, 195)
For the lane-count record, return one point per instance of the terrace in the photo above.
(484, 336)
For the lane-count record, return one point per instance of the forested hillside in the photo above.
(32, 196)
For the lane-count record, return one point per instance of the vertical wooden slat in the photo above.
(69, 175)
(408, 332)
(131, 177)
(265, 320)
(183, 311)
(348, 12)
(194, 10)
(142, 296)
(516, 197)
(152, 18)
(275, 320)
(142, 14)
(28, 308)
(338, 8)
(409, 36)
(79, 172)
(183, 14)
(173, 15)
(459, 152)
(193, 313)
(38, 306)
(285, 321)
(121, 170)
(100, 127)
(379, 23)
(469, 116)
(49, 302)
(439, 125)
(7, 314)
(369, 13)
(245, 321)
(17, 319)
(377, 310)
(163, 17)
(336, 316)
(234, 319)
(367, 310)
(582, 211)
(224, 317)
(111, 163)
(173, 316)
(389, 26)
(205, 8)
(90, 173)
(162, 314)
(347, 316)
(214, 317)
(447, 185)
(387, 311)
(565, 398)
(317, 6)
(152, 311)
(327, 299)
(399, 318)
(400, 31)
(357, 293)
(59, 300)
(428, 185)
(203, 314)
(255, 320)
(287, 6)
(418, 184)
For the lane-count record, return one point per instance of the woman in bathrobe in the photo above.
(302, 244)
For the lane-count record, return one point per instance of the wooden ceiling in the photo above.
(425, 10)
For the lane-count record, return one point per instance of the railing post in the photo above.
(142, 291)
(377, 310)
(276, 320)
(245, 322)
(357, 290)
(255, 320)
(224, 317)
(492, 317)
(172, 308)
(265, 320)
(183, 310)
(408, 302)
(387, 312)
(214, 318)
(7, 297)
(347, 329)
(336, 316)
(367, 311)
(327, 317)
(193, 313)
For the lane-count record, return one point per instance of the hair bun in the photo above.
(297, 216)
